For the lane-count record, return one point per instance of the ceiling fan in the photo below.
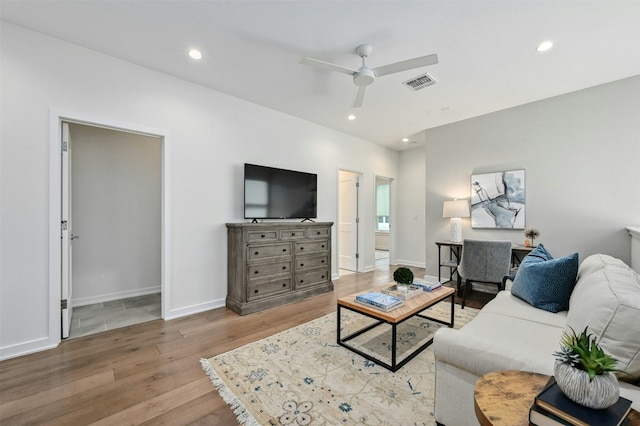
(365, 76)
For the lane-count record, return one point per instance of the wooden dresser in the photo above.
(270, 264)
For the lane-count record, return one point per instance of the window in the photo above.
(382, 207)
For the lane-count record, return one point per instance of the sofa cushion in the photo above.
(607, 300)
(545, 282)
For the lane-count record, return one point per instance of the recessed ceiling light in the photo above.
(544, 46)
(405, 139)
(195, 54)
(351, 117)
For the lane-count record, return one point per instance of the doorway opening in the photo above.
(348, 221)
(383, 222)
(109, 198)
(114, 217)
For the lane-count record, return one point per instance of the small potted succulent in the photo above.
(584, 372)
(531, 234)
(403, 278)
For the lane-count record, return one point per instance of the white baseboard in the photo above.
(409, 263)
(83, 301)
(27, 348)
(194, 309)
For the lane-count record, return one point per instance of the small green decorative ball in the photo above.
(403, 275)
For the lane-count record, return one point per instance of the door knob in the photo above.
(75, 237)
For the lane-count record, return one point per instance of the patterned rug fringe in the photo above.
(243, 416)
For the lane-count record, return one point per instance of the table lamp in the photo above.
(455, 210)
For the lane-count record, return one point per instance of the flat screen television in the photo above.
(271, 193)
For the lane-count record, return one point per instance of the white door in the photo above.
(67, 236)
(348, 221)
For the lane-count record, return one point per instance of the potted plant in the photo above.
(584, 372)
(403, 278)
(531, 235)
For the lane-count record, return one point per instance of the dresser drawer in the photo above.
(292, 234)
(310, 262)
(312, 277)
(262, 289)
(318, 232)
(253, 236)
(264, 270)
(312, 246)
(255, 252)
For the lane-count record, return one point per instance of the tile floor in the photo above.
(90, 319)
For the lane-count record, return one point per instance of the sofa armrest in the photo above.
(479, 356)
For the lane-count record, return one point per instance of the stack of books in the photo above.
(552, 407)
(384, 302)
(426, 285)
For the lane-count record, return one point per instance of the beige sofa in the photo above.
(510, 334)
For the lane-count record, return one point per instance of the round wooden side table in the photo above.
(503, 398)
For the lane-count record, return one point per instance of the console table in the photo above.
(518, 253)
(270, 264)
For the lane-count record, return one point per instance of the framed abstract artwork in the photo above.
(498, 200)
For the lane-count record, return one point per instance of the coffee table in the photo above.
(412, 307)
(503, 398)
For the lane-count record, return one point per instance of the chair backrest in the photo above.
(486, 261)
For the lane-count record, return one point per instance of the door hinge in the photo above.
(357, 184)
(357, 220)
(63, 304)
(65, 146)
(63, 225)
(357, 255)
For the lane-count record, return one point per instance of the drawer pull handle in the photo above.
(293, 234)
(322, 260)
(301, 265)
(256, 272)
(262, 236)
(284, 267)
(284, 250)
(256, 253)
(301, 281)
(301, 248)
(323, 246)
(284, 285)
(255, 291)
(323, 277)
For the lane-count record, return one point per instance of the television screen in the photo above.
(271, 193)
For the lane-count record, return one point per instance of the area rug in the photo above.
(301, 376)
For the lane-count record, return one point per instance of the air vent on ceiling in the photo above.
(420, 82)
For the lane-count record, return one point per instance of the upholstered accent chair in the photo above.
(484, 262)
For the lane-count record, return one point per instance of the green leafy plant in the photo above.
(583, 353)
(403, 275)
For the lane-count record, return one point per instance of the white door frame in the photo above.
(55, 187)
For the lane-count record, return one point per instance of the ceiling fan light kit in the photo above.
(365, 76)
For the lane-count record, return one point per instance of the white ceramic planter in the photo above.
(601, 392)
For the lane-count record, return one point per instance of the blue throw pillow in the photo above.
(545, 282)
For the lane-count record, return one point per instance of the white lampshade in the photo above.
(455, 208)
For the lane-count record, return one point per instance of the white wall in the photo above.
(212, 136)
(581, 153)
(409, 218)
(116, 214)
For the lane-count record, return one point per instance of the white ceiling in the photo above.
(252, 50)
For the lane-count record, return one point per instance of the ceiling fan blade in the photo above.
(359, 97)
(409, 64)
(327, 66)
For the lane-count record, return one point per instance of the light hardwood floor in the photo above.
(149, 374)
